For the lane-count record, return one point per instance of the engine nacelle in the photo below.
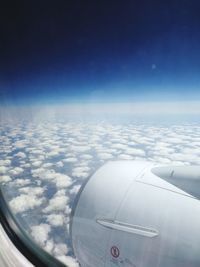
(137, 214)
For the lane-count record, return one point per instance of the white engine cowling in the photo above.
(132, 214)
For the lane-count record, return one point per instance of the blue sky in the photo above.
(99, 52)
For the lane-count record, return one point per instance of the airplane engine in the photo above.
(138, 214)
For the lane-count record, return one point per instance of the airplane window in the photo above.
(99, 133)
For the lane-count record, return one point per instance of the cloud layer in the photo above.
(43, 165)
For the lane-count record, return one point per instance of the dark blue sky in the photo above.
(99, 50)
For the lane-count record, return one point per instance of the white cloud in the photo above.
(58, 203)
(135, 151)
(191, 151)
(26, 165)
(60, 192)
(47, 165)
(35, 151)
(80, 148)
(16, 171)
(68, 155)
(81, 172)
(68, 260)
(21, 182)
(173, 140)
(4, 178)
(38, 172)
(70, 160)
(37, 191)
(55, 219)
(21, 155)
(5, 162)
(125, 157)
(37, 158)
(131, 143)
(105, 156)
(60, 249)
(163, 150)
(185, 158)
(67, 212)
(20, 144)
(49, 246)
(25, 202)
(52, 154)
(119, 146)
(61, 180)
(59, 164)
(40, 233)
(162, 160)
(86, 156)
(75, 189)
(36, 163)
(3, 169)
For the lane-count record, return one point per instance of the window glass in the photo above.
(86, 83)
